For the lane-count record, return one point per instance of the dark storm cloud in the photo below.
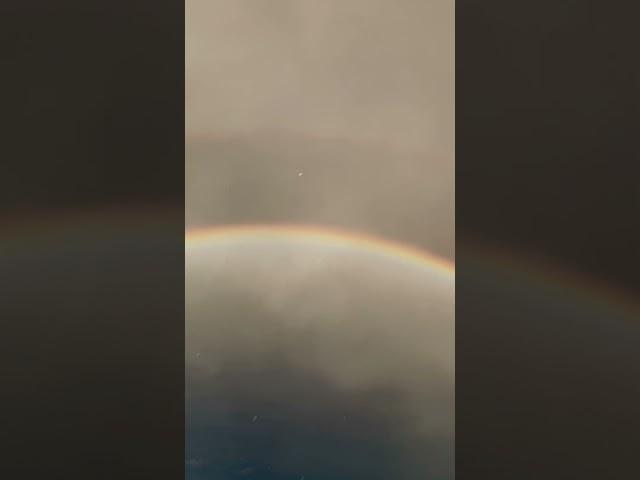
(319, 362)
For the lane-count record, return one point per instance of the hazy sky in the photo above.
(369, 70)
(321, 363)
(355, 95)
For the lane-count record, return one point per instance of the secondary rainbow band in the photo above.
(329, 235)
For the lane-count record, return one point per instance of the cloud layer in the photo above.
(345, 362)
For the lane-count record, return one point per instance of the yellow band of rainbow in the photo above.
(322, 234)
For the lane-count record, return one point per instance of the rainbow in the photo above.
(325, 235)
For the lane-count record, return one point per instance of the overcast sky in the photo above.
(319, 362)
(356, 96)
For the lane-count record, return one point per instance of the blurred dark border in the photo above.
(93, 121)
(92, 238)
(546, 174)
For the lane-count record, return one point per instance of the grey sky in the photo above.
(357, 95)
(368, 70)
(326, 112)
